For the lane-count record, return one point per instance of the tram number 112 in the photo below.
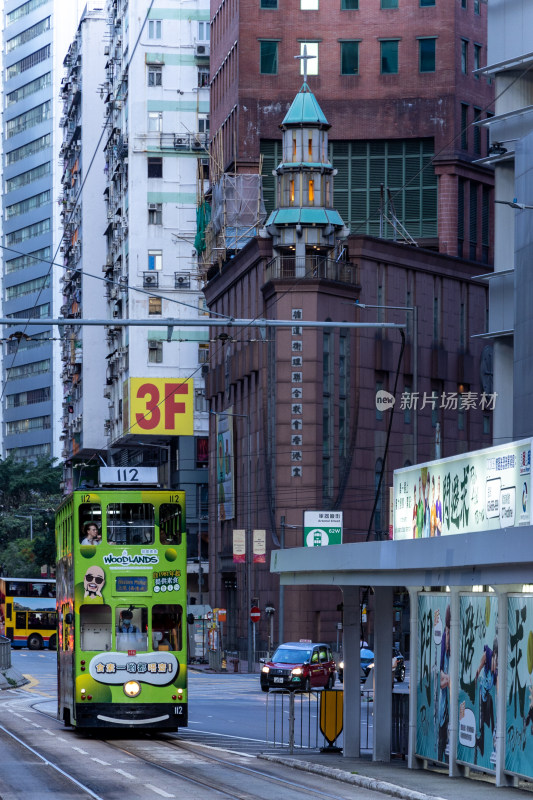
(143, 475)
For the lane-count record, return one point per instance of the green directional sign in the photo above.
(322, 528)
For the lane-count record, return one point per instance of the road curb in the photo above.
(357, 780)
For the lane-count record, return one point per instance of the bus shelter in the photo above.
(471, 624)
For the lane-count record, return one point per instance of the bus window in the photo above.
(130, 523)
(131, 628)
(42, 620)
(95, 627)
(89, 513)
(170, 523)
(20, 619)
(166, 627)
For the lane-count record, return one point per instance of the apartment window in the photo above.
(29, 232)
(28, 398)
(30, 149)
(389, 56)
(28, 287)
(203, 353)
(269, 3)
(424, 3)
(199, 400)
(155, 306)
(464, 126)
(464, 56)
(486, 423)
(23, 206)
(28, 62)
(203, 31)
(29, 119)
(155, 167)
(29, 260)
(28, 34)
(203, 311)
(312, 63)
(155, 76)
(309, 5)
(154, 29)
(203, 124)
(25, 370)
(477, 59)
(25, 425)
(268, 58)
(203, 77)
(463, 3)
(23, 10)
(477, 9)
(28, 89)
(155, 351)
(477, 131)
(389, 3)
(155, 259)
(426, 55)
(349, 5)
(155, 213)
(155, 121)
(349, 58)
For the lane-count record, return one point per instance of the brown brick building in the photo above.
(395, 80)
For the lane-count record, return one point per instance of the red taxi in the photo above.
(301, 665)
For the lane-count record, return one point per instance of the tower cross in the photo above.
(305, 59)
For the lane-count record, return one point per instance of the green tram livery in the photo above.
(121, 602)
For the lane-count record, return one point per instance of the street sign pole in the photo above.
(255, 616)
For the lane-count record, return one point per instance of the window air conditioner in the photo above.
(183, 281)
(202, 50)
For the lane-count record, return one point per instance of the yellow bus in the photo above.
(28, 612)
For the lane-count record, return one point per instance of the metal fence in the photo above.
(5, 653)
(293, 721)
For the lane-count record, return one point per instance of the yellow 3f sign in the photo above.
(159, 406)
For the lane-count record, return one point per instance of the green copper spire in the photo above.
(305, 110)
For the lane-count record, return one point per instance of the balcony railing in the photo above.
(311, 267)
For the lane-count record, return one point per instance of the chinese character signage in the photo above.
(478, 680)
(433, 671)
(478, 491)
(322, 528)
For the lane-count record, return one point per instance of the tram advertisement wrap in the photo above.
(432, 685)
(478, 680)
(519, 711)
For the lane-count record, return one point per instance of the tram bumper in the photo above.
(156, 716)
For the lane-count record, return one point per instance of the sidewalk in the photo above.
(396, 780)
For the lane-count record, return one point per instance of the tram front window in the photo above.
(131, 628)
(130, 523)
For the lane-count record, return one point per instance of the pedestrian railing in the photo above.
(5, 652)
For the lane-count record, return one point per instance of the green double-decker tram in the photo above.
(121, 602)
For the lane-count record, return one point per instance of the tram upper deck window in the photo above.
(130, 523)
(170, 523)
(90, 515)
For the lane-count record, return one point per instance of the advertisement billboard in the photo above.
(519, 707)
(478, 680)
(433, 670)
(479, 491)
(159, 406)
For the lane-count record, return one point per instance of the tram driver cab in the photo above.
(131, 629)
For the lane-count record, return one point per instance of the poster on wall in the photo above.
(519, 707)
(225, 479)
(485, 490)
(432, 685)
(478, 680)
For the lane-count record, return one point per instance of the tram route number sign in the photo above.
(128, 475)
(255, 614)
(322, 528)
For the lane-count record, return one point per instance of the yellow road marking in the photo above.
(33, 682)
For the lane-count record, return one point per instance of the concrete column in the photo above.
(455, 629)
(412, 761)
(382, 673)
(352, 669)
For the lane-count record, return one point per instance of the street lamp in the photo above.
(248, 547)
(27, 516)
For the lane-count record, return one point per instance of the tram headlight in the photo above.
(132, 689)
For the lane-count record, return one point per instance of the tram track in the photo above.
(215, 785)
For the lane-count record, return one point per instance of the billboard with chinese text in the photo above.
(483, 490)
(478, 680)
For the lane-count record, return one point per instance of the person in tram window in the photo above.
(91, 534)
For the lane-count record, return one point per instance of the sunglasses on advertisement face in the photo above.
(91, 579)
